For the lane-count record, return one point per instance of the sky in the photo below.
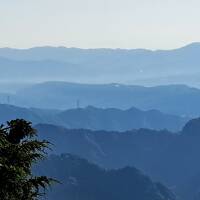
(150, 24)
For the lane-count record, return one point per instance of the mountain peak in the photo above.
(192, 127)
(194, 45)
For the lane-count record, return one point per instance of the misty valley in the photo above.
(132, 134)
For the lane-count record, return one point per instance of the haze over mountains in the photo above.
(95, 118)
(137, 66)
(172, 99)
(116, 108)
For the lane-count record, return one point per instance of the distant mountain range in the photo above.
(82, 180)
(119, 120)
(95, 118)
(88, 103)
(137, 66)
(173, 99)
(170, 158)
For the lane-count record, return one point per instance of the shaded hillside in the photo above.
(140, 148)
(192, 128)
(170, 158)
(82, 180)
(190, 189)
(9, 112)
(119, 120)
(173, 99)
(95, 118)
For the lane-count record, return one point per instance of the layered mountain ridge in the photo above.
(164, 156)
(95, 118)
(83, 180)
(172, 99)
(136, 66)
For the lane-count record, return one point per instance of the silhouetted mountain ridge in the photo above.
(164, 156)
(82, 180)
(95, 118)
(192, 128)
(116, 119)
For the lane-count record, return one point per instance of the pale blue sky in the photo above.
(154, 24)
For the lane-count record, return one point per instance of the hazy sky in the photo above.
(154, 24)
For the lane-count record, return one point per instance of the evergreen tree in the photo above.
(19, 150)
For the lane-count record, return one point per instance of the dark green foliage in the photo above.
(19, 149)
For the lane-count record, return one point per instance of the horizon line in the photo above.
(98, 48)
